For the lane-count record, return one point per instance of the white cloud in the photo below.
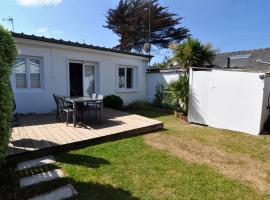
(42, 30)
(45, 31)
(39, 2)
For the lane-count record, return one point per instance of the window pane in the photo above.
(129, 77)
(35, 73)
(20, 73)
(121, 75)
(89, 73)
(89, 70)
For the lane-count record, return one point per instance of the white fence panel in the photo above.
(198, 98)
(228, 99)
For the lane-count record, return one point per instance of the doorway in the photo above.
(76, 79)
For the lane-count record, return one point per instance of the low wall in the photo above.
(163, 77)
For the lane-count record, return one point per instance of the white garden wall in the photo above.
(55, 68)
(163, 77)
(227, 99)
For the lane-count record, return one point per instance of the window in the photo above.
(240, 56)
(28, 72)
(126, 77)
(34, 73)
(129, 79)
(121, 75)
(89, 73)
(20, 73)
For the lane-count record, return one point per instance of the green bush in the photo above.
(113, 101)
(159, 96)
(137, 105)
(8, 54)
(177, 93)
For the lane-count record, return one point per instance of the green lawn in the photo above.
(132, 169)
(129, 169)
(183, 161)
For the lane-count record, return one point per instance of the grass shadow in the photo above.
(85, 160)
(96, 190)
(151, 113)
(101, 191)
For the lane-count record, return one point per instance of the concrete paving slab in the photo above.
(42, 177)
(36, 162)
(58, 194)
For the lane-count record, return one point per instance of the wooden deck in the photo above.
(38, 135)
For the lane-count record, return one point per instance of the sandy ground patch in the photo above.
(237, 166)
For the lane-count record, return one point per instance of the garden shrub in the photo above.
(159, 95)
(8, 54)
(176, 94)
(137, 105)
(113, 101)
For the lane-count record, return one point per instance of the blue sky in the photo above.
(228, 24)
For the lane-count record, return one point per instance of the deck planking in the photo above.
(42, 134)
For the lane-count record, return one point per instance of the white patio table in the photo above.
(75, 100)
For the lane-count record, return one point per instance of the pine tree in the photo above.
(130, 21)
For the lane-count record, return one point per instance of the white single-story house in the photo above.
(157, 76)
(234, 99)
(45, 66)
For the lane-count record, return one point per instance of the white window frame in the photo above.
(134, 79)
(28, 74)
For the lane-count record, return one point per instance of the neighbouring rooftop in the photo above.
(256, 59)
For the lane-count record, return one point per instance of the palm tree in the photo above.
(192, 53)
(176, 93)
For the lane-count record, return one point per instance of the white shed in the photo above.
(231, 99)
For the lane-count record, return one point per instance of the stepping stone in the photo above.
(36, 162)
(60, 193)
(42, 177)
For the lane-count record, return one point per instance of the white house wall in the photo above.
(56, 74)
(154, 78)
(234, 101)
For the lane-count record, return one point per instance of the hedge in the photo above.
(8, 54)
(113, 101)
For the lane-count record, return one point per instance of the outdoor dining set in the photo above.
(79, 107)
